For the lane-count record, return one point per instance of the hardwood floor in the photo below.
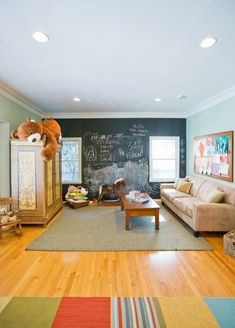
(142, 273)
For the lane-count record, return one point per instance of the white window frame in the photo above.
(151, 139)
(79, 140)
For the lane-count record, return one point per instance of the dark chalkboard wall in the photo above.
(119, 148)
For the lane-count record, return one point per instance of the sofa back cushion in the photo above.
(209, 187)
(196, 184)
(215, 196)
(184, 187)
(229, 196)
(179, 181)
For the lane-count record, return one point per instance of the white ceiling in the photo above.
(117, 55)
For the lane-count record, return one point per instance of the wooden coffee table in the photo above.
(136, 209)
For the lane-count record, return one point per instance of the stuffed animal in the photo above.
(12, 218)
(48, 130)
(6, 216)
(3, 215)
(76, 193)
(54, 127)
(4, 219)
(3, 211)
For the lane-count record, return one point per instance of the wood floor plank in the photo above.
(149, 273)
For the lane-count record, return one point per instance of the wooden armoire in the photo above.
(35, 184)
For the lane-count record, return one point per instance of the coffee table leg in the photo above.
(157, 219)
(127, 220)
(122, 205)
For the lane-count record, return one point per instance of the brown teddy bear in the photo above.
(48, 130)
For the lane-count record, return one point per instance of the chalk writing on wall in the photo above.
(100, 150)
(114, 148)
(138, 130)
(108, 157)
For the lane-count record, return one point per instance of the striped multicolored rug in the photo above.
(116, 312)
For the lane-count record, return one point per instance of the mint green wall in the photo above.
(4, 162)
(11, 115)
(218, 118)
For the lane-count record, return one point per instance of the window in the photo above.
(164, 159)
(72, 160)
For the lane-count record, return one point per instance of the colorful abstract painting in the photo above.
(213, 155)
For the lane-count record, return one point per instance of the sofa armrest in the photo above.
(213, 217)
(167, 186)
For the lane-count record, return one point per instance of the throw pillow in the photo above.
(215, 196)
(179, 181)
(184, 187)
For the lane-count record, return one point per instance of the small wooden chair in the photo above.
(12, 225)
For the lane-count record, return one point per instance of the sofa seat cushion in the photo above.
(186, 204)
(171, 194)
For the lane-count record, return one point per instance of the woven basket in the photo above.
(229, 243)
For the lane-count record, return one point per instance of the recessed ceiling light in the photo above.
(157, 99)
(40, 37)
(76, 99)
(181, 96)
(208, 42)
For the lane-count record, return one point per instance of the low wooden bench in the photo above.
(10, 227)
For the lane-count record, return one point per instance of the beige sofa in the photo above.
(193, 208)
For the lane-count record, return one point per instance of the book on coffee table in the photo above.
(138, 198)
(142, 198)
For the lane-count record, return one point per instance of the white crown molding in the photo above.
(12, 95)
(19, 100)
(116, 115)
(217, 99)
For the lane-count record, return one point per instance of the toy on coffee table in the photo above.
(77, 197)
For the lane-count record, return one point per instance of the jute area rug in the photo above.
(97, 228)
